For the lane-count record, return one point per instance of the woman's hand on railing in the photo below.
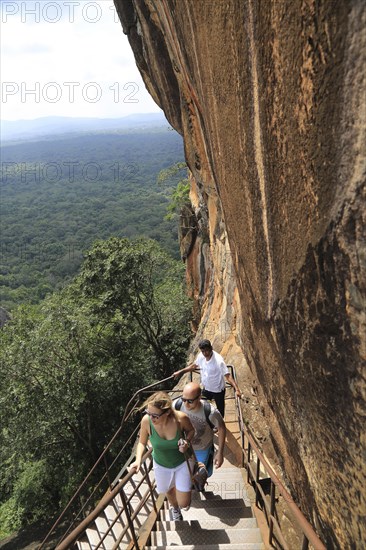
(134, 466)
(183, 445)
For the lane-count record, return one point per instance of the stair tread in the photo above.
(216, 503)
(220, 513)
(227, 472)
(234, 469)
(110, 514)
(93, 536)
(102, 527)
(206, 536)
(232, 546)
(103, 524)
(235, 523)
(209, 495)
(227, 489)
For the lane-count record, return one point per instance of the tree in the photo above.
(138, 282)
(65, 378)
(179, 196)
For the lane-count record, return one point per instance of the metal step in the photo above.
(227, 474)
(83, 544)
(228, 516)
(94, 537)
(231, 471)
(102, 527)
(227, 488)
(143, 514)
(110, 513)
(94, 534)
(240, 546)
(214, 503)
(213, 495)
(240, 523)
(209, 537)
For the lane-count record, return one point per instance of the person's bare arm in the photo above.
(187, 428)
(189, 368)
(221, 434)
(232, 383)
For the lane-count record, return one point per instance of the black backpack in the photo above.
(206, 408)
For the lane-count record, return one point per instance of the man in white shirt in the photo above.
(205, 419)
(214, 374)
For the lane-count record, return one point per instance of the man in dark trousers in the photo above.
(214, 374)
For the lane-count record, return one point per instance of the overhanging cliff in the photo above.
(270, 100)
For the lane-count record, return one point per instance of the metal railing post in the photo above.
(305, 543)
(248, 470)
(272, 511)
(257, 481)
(107, 472)
(129, 520)
(148, 480)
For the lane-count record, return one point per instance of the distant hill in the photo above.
(56, 126)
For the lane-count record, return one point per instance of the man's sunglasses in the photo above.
(154, 416)
(190, 401)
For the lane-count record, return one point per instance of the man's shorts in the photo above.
(177, 477)
(206, 456)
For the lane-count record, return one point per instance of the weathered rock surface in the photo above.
(270, 99)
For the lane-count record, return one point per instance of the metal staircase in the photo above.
(110, 529)
(220, 518)
(131, 516)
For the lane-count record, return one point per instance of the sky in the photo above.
(67, 58)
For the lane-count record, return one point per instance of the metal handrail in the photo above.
(107, 499)
(309, 535)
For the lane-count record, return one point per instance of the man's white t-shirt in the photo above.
(212, 372)
(204, 435)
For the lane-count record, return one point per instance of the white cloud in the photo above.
(67, 58)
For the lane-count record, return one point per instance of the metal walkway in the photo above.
(220, 518)
(130, 515)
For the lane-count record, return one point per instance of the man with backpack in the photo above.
(206, 420)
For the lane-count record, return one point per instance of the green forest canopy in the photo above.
(60, 195)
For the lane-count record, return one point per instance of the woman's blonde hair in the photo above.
(161, 400)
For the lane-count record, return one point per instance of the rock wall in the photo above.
(270, 99)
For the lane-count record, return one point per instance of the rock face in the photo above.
(270, 99)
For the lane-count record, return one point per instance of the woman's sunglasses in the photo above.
(154, 416)
(190, 401)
